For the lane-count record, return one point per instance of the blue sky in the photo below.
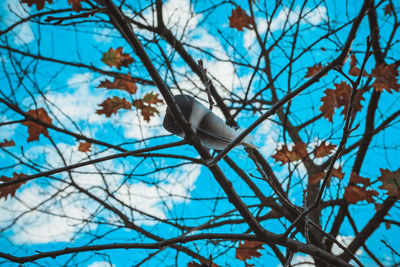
(70, 96)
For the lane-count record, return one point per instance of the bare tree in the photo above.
(88, 170)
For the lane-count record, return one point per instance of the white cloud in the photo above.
(7, 130)
(23, 33)
(155, 199)
(285, 19)
(345, 241)
(103, 35)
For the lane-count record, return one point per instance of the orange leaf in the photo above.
(240, 19)
(324, 150)
(318, 176)
(248, 249)
(7, 143)
(112, 105)
(151, 98)
(357, 179)
(390, 182)
(354, 71)
(124, 83)
(389, 10)
(39, 3)
(385, 78)
(35, 129)
(11, 189)
(328, 104)
(355, 193)
(84, 147)
(298, 152)
(76, 5)
(311, 71)
(117, 58)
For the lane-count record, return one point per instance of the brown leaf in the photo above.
(39, 3)
(11, 189)
(284, 155)
(324, 150)
(7, 143)
(390, 182)
(354, 71)
(151, 98)
(239, 19)
(248, 249)
(318, 176)
(328, 104)
(117, 58)
(84, 147)
(389, 10)
(76, 5)
(34, 129)
(337, 172)
(385, 78)
(125, 82)
(112, 105)
(355, 193)
(357, 179)
(388, 225)
(311, 71)
(145, 105)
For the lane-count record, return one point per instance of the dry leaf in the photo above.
(390, 182)
(239, 19)
(112, 105)
(117, 58)
(7, 143)
(355, 193)
(249, 249)
(284, 155)
(328, 104)
(145, 105)
(39, 3)
(34, 129)
(354, 71)
(84, 147)
(385, 78)
(11, 189)
(125, 82)
(324, 150)
(389, 10)
(76, 5)
(311, 71)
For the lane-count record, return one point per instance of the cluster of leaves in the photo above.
(146, 105)
(76, 4)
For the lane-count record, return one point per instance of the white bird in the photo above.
(210, 129)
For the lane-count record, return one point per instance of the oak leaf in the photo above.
(355, 193)
(116, 58)
(284, 155)
(76, 5)
(145, 105)
(84, 146)
(248, 249)
(390, 182)
(385, 78)
(318, 176)
(34, 129)
(389, 10)
(311, 71)
(39, 3)
(355, 178)
(239, 19)
(125, 82)
(112, 105)
(11, 189)
(328, 104)
(324, 150)
(354, 71)
(7, 143)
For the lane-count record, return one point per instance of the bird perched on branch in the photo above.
(210, 129)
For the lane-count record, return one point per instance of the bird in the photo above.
(209, 128)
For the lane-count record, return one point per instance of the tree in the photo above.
(88, 170)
